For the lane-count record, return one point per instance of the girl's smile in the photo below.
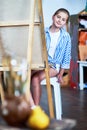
(60, 19)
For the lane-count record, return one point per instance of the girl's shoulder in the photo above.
(46, 29)
(64, 32)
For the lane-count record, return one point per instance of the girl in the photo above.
(58, 44)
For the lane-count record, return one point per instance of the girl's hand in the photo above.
(60, 78)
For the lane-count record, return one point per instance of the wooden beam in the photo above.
(17, 23)
(45, 56)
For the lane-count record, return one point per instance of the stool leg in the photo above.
(81, 76)
(57, 96)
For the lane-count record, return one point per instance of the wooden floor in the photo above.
(74, 104)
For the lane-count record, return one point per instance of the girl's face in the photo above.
(60, 19)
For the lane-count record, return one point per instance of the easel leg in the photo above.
(49, 93)
(1, 89)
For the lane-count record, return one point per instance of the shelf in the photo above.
(82, 29)
(83, 13)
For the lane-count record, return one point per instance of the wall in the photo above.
(50, 6)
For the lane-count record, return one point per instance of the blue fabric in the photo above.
(62, 54)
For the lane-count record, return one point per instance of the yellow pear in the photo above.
(38, 119)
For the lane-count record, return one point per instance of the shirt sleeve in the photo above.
(67, 54)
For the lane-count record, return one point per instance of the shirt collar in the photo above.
(62, 30)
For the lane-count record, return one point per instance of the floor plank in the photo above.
(74, 104)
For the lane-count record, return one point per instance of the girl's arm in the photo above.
(60, 75)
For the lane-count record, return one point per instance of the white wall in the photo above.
(50, 6)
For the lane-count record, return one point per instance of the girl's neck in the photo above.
(54, 29)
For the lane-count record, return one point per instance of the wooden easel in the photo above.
(38, 26)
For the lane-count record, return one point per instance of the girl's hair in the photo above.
(62, 10)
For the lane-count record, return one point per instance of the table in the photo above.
(82, 64)
(65, 124)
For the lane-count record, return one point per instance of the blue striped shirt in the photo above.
(62, 55)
